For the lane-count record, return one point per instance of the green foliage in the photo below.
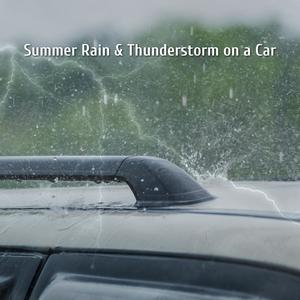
(238, 116)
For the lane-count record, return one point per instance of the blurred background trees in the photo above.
(234, 116)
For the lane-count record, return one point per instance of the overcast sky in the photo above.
(59, 20)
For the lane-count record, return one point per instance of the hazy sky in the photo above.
(58, 20)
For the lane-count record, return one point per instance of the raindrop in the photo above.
(105, 99)
(195, 78)
(156, 189)
(83, 111)
(116, 98)
(192, 30)
(184, 100)
(231, 93)
(281, 156)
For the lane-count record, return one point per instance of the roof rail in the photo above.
(155, 182)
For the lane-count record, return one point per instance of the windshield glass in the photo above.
(212, 86)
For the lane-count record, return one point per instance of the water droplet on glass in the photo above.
(83, 111)
(231, 93)
(281, 156)
(105, 99)
(192, 30)
(195, 78)
(184, 100)
(116, 98)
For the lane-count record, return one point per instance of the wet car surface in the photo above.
(73, 229)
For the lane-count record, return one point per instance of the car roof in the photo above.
(260, 196)
(164, 211)
(207, 228)
(265, 240)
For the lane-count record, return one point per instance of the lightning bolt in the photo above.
(10, 81)
(101, 91)
(130, 111)
(267, 198)
(265, 195)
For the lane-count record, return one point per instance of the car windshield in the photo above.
(212, 86)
